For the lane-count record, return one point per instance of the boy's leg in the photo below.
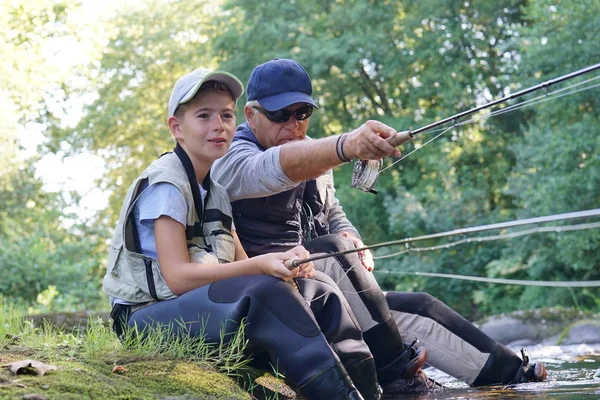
(276, 320)
(456, 346)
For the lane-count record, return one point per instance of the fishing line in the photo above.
(521, 282)
(555, 229)
(416, 149)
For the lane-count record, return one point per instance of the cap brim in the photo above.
(234, 84)
(283, 100)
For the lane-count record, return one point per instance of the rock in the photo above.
(508, 329)
(586, 331)
(522, 343)
(533, 325)
(69, 321)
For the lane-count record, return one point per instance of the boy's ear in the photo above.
(175, 127)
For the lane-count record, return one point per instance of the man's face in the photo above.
(271, 133)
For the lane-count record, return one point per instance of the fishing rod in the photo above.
(366, 172)
(291, 264)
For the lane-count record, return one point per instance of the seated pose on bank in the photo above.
(175, 260)
(281, 186)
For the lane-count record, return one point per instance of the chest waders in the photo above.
(309, 342)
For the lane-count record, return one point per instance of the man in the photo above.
(281, 187)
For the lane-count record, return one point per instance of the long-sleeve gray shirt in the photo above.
(246, 171)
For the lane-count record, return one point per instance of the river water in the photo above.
(573, 373)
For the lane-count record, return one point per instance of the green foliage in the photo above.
(406, 63)
(41, 244)
(37, 251)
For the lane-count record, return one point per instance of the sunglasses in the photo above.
(283, 115)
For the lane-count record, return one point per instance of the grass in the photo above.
(153, 364)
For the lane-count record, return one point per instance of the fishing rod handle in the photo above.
(399, 138)
(292, 263)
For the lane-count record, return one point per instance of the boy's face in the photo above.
(205, 129)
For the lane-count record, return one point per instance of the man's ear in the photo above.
(175, 127)
(249, 112)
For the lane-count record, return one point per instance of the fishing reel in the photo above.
(365, 174)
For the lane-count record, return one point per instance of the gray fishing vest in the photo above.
(137, 278)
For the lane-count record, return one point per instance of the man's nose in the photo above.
(292, 122)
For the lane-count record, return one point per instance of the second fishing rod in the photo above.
(291, 264)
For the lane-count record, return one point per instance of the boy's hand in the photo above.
(305, 270)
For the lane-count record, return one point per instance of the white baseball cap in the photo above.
(187, 86)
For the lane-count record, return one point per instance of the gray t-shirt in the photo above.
(246, 172)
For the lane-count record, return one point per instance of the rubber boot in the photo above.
(331, 384)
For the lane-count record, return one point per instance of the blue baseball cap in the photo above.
(279, 83)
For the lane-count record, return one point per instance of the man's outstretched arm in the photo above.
(309, 159)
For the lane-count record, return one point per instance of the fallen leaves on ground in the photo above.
(34, 396)
(119, 369)
(29, 367)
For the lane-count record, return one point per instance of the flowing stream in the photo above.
(573, 373)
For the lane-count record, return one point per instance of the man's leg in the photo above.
(276, 319)
(456, 346)
(337, 322)
(453, 344)
(394, 361)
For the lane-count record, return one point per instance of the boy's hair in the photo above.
(208, 86)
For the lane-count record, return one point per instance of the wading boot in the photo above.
(331, 384)
(412, 379)
(364, 377)
(530, 373)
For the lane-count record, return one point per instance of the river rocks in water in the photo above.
(597, 374)
(542, 326)
(586, 331)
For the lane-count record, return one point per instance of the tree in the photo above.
(37, 250)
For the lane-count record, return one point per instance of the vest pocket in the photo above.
(148, 277)
(114, 251)
(222, 245)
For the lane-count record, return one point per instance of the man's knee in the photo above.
(412, 302)
(329, 244)
(335, 244)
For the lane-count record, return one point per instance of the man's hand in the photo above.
(366, 257)
(368, 142)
